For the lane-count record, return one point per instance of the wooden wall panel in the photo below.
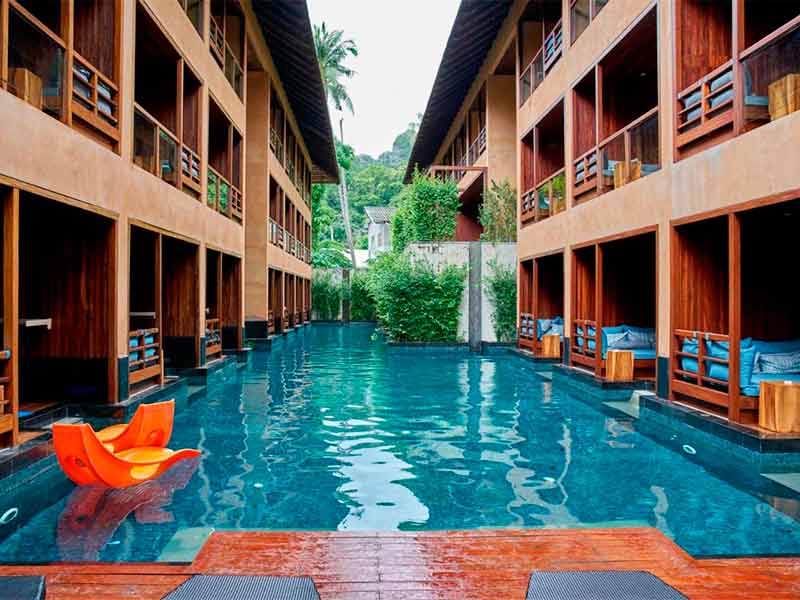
(585, 116)
(180, 288)
(585, 279)
(629, 281)
(65, 273)
(550, 286)
(769, 283)
(700, 290)
(703, 38)
(213, 288)
(526, 286)
(231, 291)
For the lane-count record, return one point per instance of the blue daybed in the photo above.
(760, 360)
(639, 340)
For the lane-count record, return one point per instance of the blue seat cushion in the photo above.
(721, 80)
(688, 364)
(755, 383)
(756, 100)
(777, 362)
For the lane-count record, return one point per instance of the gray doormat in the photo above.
(599, 585)
(229, 587)
(22, 588)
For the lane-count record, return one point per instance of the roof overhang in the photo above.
(475, 28)
(287, 30)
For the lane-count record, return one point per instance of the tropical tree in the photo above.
(332, 51)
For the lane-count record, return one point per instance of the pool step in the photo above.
(788, 480)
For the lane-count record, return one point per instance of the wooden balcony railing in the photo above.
(274, 232)
(526, 334)
(585, 174)
(155, 147)
(145, 356)
(631, 153)
(694, 364)
(190, 169)
(552, 49)
(705, 106)
(545, 200)
(477, 148)
(553, 46)
(213, 338)
(223, 196)
(276, 143)
(291, 172)
(233, 71)
(270, 321)
(216, 40)
(95, 98)
(580, 341)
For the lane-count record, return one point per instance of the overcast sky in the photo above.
(400, 46)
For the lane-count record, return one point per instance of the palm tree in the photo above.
(332, 51)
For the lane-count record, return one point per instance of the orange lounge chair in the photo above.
(151, 425)
(85, 459)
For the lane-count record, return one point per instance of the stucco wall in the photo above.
(441, 254)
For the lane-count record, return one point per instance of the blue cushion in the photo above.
(542, 327)
(721, 80)
(614, 332)
(692, 98)
(720, 350)
(778, 362)
(556, 329)
(756, 100)
(644, 353)
(721, 98)
(776, 347)
(689, 346)
(754, 387)
(558, 320)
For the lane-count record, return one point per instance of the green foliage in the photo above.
(498, 213)
(370, 182)
(501, 287)
(326, 295)
(412, 301)
(362, 306)
(329, 254)
(426, 212)
(332, 52)
(401, 225)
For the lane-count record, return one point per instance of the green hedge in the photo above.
(413, 302)
(426, 211)
(326, 295)
(362, 306)
(501, 287)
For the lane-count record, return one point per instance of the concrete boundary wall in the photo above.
(475, 319)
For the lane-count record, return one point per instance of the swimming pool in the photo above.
(332, 430)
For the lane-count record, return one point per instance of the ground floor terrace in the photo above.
(404, 472)
(452, 565)
(99, 308)
(696, 303)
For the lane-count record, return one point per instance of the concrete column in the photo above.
(475, 296)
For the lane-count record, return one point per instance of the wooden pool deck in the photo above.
(461, 565)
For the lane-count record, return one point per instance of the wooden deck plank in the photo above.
(479, 565)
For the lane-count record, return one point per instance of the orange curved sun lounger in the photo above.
(85, 459)
(151, 425)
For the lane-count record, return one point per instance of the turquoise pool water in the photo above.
(334, 430)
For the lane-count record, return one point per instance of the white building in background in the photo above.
(380, 229)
